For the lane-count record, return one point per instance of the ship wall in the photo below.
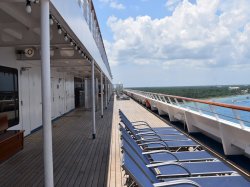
(29, 84)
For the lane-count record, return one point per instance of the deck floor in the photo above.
(78, 160)
(134, 112)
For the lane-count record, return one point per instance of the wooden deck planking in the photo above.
(73, 150)
(134, 112)
(78, 160)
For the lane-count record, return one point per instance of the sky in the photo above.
(176, 42)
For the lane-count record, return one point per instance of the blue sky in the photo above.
(176, 42)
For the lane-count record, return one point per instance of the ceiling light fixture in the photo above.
(66, 38)
(59, 29)
(71, 42)
(28, 6)
(51, 21)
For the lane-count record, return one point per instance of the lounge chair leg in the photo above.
(93, 136)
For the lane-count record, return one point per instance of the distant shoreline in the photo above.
(200, 92)
(221, 97)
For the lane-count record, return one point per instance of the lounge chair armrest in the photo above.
(155, 152)
(176, 182)
(150, 139)
(147, 133)
(148, 143)
(178, 164)
(161, 151)
(141, 123)
(155, 165)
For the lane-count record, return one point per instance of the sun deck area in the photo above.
(78, 159)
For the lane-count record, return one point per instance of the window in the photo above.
(9, 103)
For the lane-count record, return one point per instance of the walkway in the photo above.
(78, 160)
(134, 112)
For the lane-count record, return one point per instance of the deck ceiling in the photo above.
(21, 30)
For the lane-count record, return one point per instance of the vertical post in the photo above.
(111, 90)
(101, 95)
(93, 98)
(46, 95)
(106, 93)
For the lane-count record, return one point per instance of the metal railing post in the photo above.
(170, 101)
(214, 112)
(101, 94)
(237, 116)
(185, 104)
(197, 108)
(176, 101)
(93, 98)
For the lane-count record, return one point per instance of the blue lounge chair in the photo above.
(169, 133)
(148, 129)
(164, 155)
(144, 177)
(152, 144)
(181, 169)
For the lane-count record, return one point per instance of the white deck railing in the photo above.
(230, 128)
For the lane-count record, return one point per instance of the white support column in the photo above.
(111, 90)
(93, 98)
(46, 95)
(101, 95)
(106, 93)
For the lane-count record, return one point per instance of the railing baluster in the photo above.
(160, 99)
(185, 104)
(214, 112)
(176, 101)
(237, 116)
(170, 101)
(164, 99)
(196, 105)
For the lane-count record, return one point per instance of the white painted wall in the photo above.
(29, 81)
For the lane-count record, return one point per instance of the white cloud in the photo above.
(210, 33)
(172, 4)
(113, 4)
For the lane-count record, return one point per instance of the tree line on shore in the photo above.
(199, 92)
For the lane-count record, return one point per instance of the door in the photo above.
(25, 100)
(61, 96)
(53, 104)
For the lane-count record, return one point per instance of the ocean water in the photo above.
(229, 114)
(241, 100)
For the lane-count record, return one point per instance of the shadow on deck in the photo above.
(78, 160)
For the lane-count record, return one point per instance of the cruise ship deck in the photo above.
(59, 120)
(78, 160)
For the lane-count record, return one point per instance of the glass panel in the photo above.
(9, 102)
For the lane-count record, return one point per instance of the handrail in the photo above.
(205, 102)
(178, 100)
